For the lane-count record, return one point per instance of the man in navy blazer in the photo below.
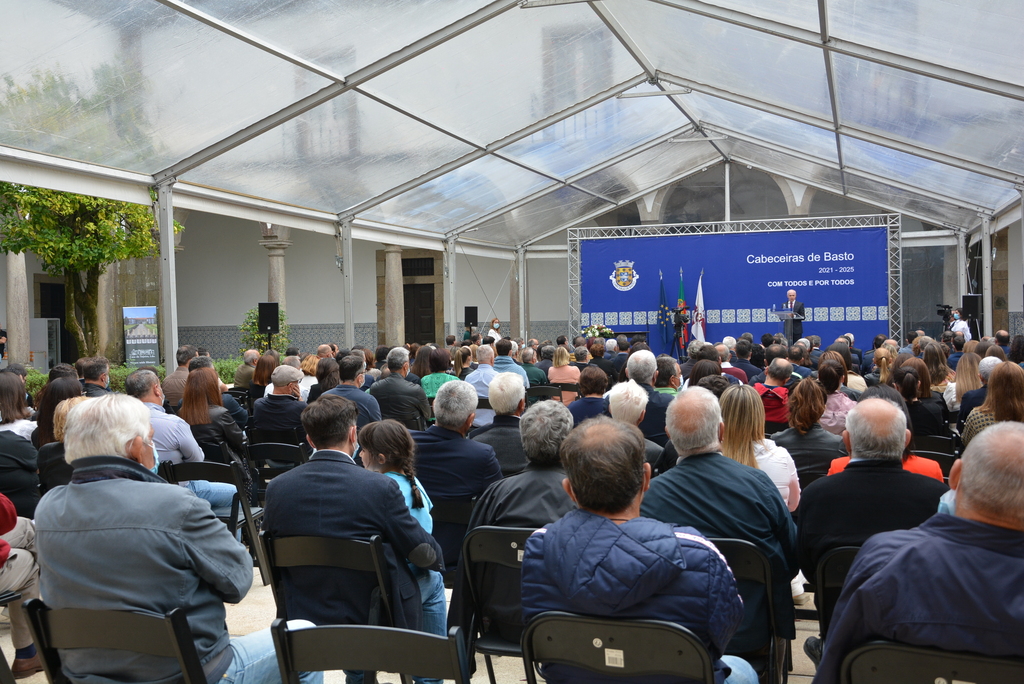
(331, 496)
(451, 467)
(351, 371)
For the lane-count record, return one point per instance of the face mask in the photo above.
(156, 462)
(497, 325)
(956, 316)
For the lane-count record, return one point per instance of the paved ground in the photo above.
(257, 611)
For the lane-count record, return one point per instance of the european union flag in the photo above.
(664, 316)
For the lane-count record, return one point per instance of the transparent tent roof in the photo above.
(507, 121)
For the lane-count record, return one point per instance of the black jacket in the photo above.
(812, 453)
(53, 469)
(18, 479)
(279, 412)
(221, 428)
(608, 368)
(868, 497)
(504, 437)
(400, 399)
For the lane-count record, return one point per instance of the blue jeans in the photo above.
(742, 671)
(218, 494)
(435, 618)
(254, 660)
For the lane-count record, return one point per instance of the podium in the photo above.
(786, 318)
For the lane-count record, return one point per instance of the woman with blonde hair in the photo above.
(562, 372)
(309, 365)
(967, 379)
(883, 367)
(938, 371)
(462, 362)
(743, 441)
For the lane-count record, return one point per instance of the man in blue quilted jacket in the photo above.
(604, 560)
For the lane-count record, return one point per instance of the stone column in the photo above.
(394, 297)
(275, 239)
(17, 309)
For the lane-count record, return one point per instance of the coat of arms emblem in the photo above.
(624, 277)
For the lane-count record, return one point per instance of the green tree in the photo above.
(75, 238)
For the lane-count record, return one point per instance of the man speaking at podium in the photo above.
(798, 309)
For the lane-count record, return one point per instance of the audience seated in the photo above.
(19, 572)
(54, 470)
(399, 399)
(621, 353)
(668, 380)
(174, 383)
(243, 374)
(179, 554)
(202, 407)
(480, 380)
(282, 409)
(723, 498)
(532, 498)
(504, 363)
(743, 441)
(967, 380)
(873, 494)
(774, 393)
(547, 353)
(597, 350)
(642, 367)
(954, 581)
(831, 374)
(508, 400)
(562, 372)
(450, 466)
(975, 398)
(173, 440)
(627, 401)
(238, 413)
(351, 369)
(535, 375)
(96, 377)
(925, 416)
(808, 443)
(593, 382)
(605, 560)
(1004, 401)
(723, 358)
(742, 360)
(327, 378)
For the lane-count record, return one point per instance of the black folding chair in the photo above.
(166, 636)
(259, 436)
(568, 387)
(242, 514)
(6, 676)
(624, 648)
(270, 459)
(886, 662)
(945, 461)
(484, 547)
(357, 647)
(483, 403)
(243, 398)
(451, 518)
(829, 577)
(348, 554)
(749, 564)
(543, 392)
(214, 453)
(936, 444)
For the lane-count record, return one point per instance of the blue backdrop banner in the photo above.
(841, 276)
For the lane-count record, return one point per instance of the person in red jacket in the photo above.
(19, 572)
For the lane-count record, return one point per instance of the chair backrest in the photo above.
(214, 453)
(936, 443)
(568, 387)
(359, 647)
(829, 577)
(260, 436)
(625, 648)
(455, 511)
(483, 403)
(945, 461)
(543, 392)
(885, 662)
(167, 636)
(483, 546)
(260, 453)
(350, 554)
(242, 396)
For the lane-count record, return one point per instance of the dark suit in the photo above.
(451, 467)
(400, 399)
(798, 325)
(868, 497)
(279, 412)
(330, 496)
(750, 369)
(653, 424)
(504, 437)
(369, 409)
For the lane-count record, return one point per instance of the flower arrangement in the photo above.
(598, 331)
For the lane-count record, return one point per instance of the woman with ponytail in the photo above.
(911, 380)
(387, 447)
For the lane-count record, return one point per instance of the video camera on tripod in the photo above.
(680, 318)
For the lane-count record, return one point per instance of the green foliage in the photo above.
(76, 237)
(252, 338)
(35, 379)
(226, 369)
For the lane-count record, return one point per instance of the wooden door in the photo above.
(419, 313)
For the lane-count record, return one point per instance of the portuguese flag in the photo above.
(681, 304)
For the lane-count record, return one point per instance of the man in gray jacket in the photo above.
(168, 548)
